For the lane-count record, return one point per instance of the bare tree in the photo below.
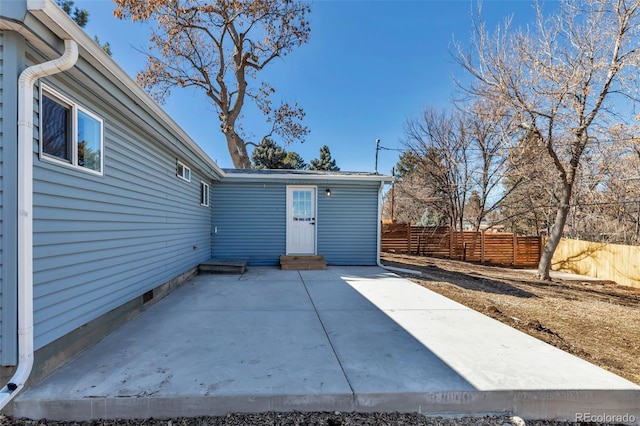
(219, 47)
(607, 196)
(490, 132)
(412, 197)
(556, 80)
(462, 159)
(532, 186)
(438, 139)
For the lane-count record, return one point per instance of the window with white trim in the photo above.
(183, 172)
(204, 194)
(70, 134)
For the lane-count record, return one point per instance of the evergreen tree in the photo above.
(106, 47)
(269, 155)
(294, 161)
(81, 17)
(324, 162)
(409, 163)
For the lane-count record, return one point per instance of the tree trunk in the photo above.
(556, 232)
(238, 150)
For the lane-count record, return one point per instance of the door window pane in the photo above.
(301, 205)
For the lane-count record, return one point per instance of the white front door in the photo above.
(301, 220)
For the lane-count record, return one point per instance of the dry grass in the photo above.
(596, 321)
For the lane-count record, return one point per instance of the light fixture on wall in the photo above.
(328, 192)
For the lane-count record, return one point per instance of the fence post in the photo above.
(409, 237)
(515, 247)
(450, 242)
(482, 247)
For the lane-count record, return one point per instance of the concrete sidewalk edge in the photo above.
(607, 406)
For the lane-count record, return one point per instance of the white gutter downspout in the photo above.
(27, 79)
(379, 242)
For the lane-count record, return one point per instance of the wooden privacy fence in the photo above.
(614, 262)
(470, 246)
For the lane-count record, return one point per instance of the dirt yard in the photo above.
(594, 320)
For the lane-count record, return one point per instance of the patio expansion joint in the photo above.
(324, 329)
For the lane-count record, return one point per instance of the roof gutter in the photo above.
(310, 177)
(27, 79)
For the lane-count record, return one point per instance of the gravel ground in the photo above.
(300, 419)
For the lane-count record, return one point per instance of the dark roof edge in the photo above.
(308, 175)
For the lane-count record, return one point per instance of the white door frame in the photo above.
(314, 199)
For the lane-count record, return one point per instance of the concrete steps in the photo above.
(302, 263)
(223, 266)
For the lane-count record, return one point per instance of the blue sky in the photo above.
(368, 67)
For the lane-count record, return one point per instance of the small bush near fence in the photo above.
(470, 246)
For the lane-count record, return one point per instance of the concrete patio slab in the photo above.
(205, 293)
(478, 350)
(379, 356)
(333, 294)
(400, 294)
(346, 338)
(269, 274)
(347, 272)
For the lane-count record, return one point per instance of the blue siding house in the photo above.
(106, 204)
(250, 218)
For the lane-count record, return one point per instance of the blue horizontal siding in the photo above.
(250, 222)
(347, 224)
(101, 241)
(2, 224)
(11, 51)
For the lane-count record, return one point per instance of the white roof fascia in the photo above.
(5, 24)
(293, 176)
(47, 12)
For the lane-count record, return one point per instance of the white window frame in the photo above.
(205, 193)
(74, 107)
(186, 169)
